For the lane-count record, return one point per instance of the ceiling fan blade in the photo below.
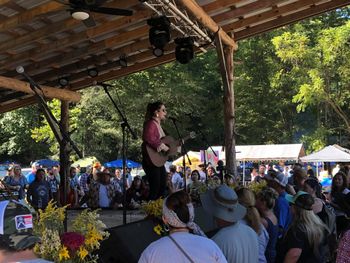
(62, 2)
(90, 22)
(94, 2)
(111, 11)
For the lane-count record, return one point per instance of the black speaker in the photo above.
(127, 242)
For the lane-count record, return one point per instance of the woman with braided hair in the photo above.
(185, 242)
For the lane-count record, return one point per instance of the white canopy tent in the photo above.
(269, 152)
(331, 153)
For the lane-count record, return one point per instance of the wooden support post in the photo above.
(225, 55)
(64, 155)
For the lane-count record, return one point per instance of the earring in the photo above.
(166, 228)
(157, 115)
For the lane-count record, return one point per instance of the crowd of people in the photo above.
(289, 220)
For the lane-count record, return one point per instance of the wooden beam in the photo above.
(17, 104)
(87, 82)
(198, 12)
(246, 9)
(93, 61)
(115, 74)
(28, 15)
(292, 18)
(49, 92)
(118, 39)
(273, 13)
(216, 5)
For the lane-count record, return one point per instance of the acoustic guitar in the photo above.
(159, 158)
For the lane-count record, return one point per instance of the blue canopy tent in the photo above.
(46, 163)
(119, 163)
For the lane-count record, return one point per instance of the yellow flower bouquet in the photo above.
(154, 210)
(75, 246)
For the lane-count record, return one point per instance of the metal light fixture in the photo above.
(92, 72)
(122, 61)
(80, 14)
(184, 50)
(159, 34)
(63, 81)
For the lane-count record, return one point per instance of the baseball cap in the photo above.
(16, 225)
(301, 199)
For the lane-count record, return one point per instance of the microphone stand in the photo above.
(124, 124)
(183, 152)
(61, 136)
(207, 145)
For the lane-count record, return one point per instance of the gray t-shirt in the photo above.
(239, 243)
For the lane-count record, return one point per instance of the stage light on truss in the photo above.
(184, 50)
(159, 34)
(92, 72)
(63, 81)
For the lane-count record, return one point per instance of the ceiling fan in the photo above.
(80, 10)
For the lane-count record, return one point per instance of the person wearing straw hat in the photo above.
(238, 242)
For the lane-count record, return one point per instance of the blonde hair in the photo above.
(246, 198)
(311, 225)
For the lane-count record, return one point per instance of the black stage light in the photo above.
(184, 49)
(92, 72)
(63, 81)
(122, 61)
(159, 34)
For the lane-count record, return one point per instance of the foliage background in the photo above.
(291, 85)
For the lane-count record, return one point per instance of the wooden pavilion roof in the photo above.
(41, 36)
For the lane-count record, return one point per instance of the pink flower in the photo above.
(72, 240)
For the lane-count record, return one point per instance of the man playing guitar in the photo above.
(152, 135)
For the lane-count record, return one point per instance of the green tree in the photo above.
(320, 68)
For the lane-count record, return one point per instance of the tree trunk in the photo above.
(225, 55)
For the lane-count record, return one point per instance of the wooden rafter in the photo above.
(274, 13)
(246, 9)
(29, 15)
(48, 92)
(198, 12)
(288, 19)
(60, 46)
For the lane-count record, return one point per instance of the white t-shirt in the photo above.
(199, 249)
(177, 181)
(202, 176)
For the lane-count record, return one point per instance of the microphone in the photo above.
(20, 70)
(97, 83)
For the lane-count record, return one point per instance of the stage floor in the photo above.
(111, 218)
